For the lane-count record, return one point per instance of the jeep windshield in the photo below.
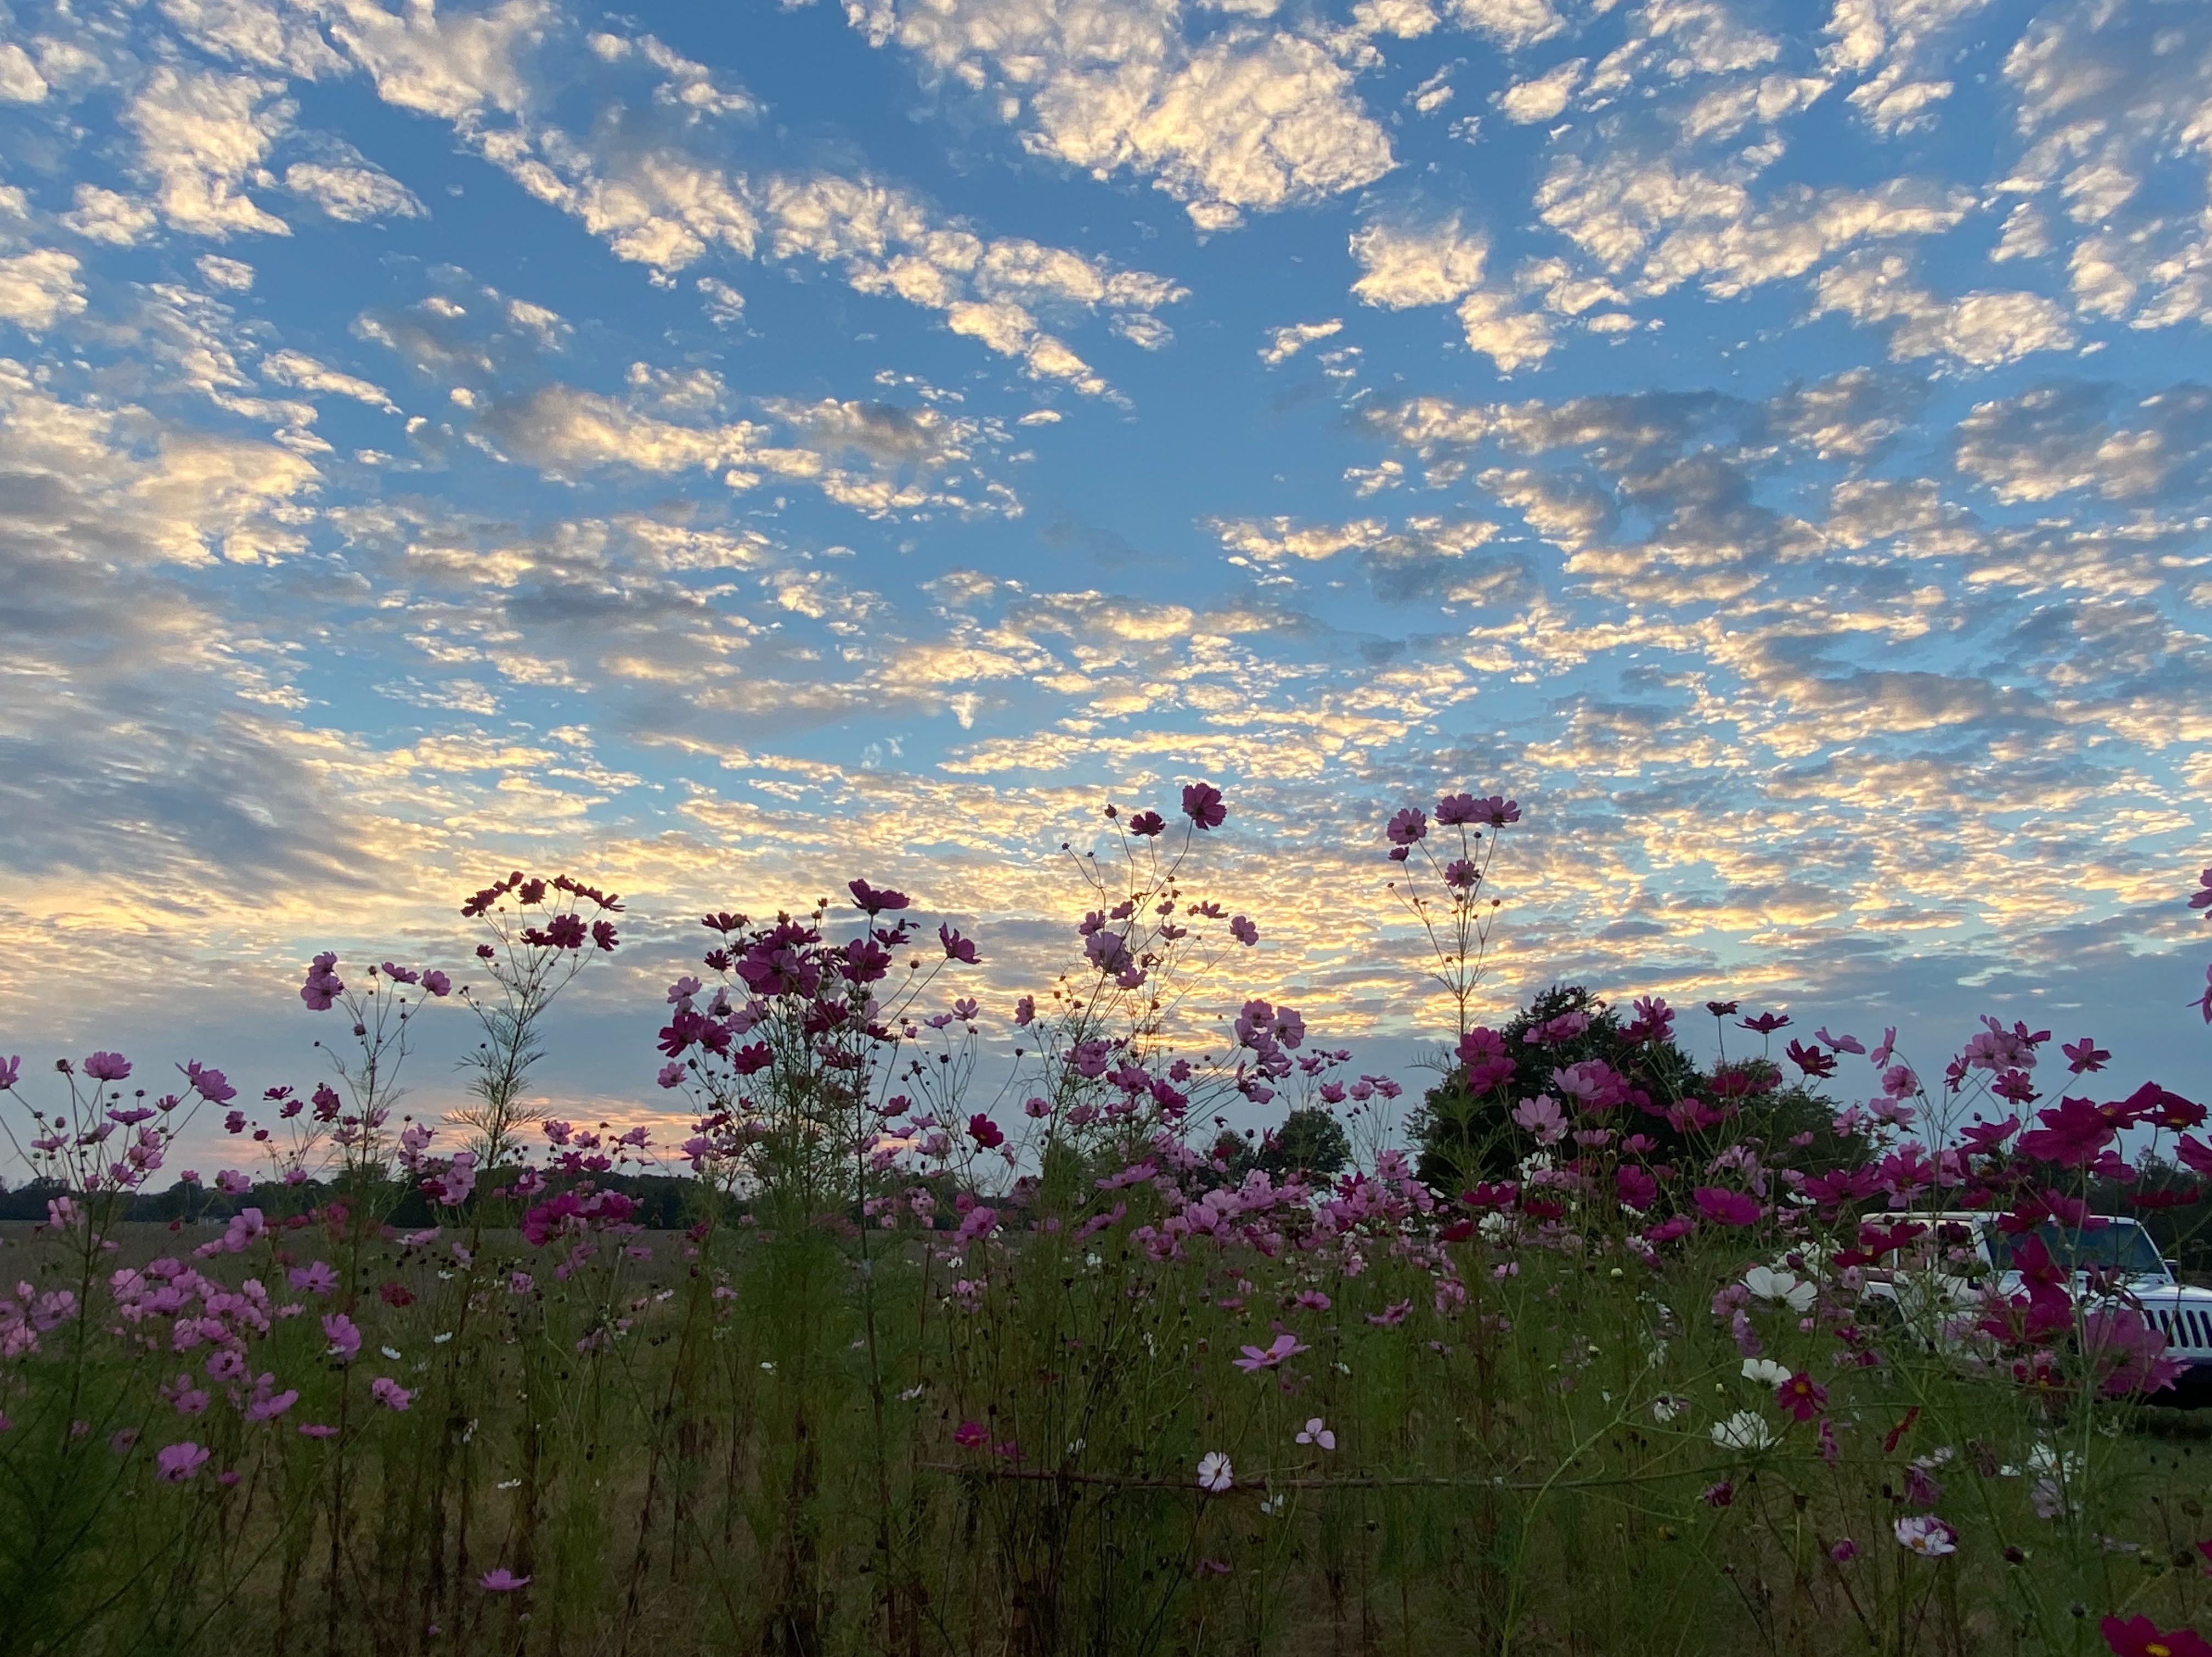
(2121, 1245)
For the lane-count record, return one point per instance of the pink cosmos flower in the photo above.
(1316, 1432)
(1257, 1358)
(106, 1067)
(1391, 1315)
(1243, 931)
(316, 1429)
(346, 1340)
(323, 986)
(969, 1434)
(499, 1580)
(175, 1463)
(1540, 1116)
(1408, 826)
(390, 1393)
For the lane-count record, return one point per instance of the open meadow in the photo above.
(1597, 1353)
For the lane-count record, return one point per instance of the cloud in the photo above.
(1404, 265)
(304, 373)
(108, 215)
(20, 80)
(144, 742)
(1896, 46)
(877, 458)
(1980, 329)
(1542, 99)
(200, 134)
(1514, 25)
(231, 275)
(356, 194)
(1426, 559)
(1285, 343)
(457, 66)
(1251, 119)
(1665, 224)
(39, 288)
(2055, 439)
(2114, 116)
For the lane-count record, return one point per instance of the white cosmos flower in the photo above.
(1781, 1288)
(1766, 1371)
(1744, 1430)
(1215, 1475)
(1926, 1536)
(1667, 1405)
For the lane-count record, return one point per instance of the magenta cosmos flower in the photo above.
(2139, 1636)
(1728, 1208)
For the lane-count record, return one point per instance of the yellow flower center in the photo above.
(2158, 1649)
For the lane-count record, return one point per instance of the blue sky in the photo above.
(720, 450)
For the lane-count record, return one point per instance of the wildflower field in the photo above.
(1576, 1353)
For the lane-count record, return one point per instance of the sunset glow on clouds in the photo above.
(720, 450)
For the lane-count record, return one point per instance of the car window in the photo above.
(2118, 1244)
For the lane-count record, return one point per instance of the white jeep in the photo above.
(1943, 1271)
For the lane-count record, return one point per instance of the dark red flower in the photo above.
(1802, 1396)
(1720, 1009)
(1811, 1060)
(874, 900)
(1149, 824)
(1766, 1024)
(984, 1132)
(956, 948)
(1201, 803)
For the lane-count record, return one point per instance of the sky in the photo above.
(721, 450)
